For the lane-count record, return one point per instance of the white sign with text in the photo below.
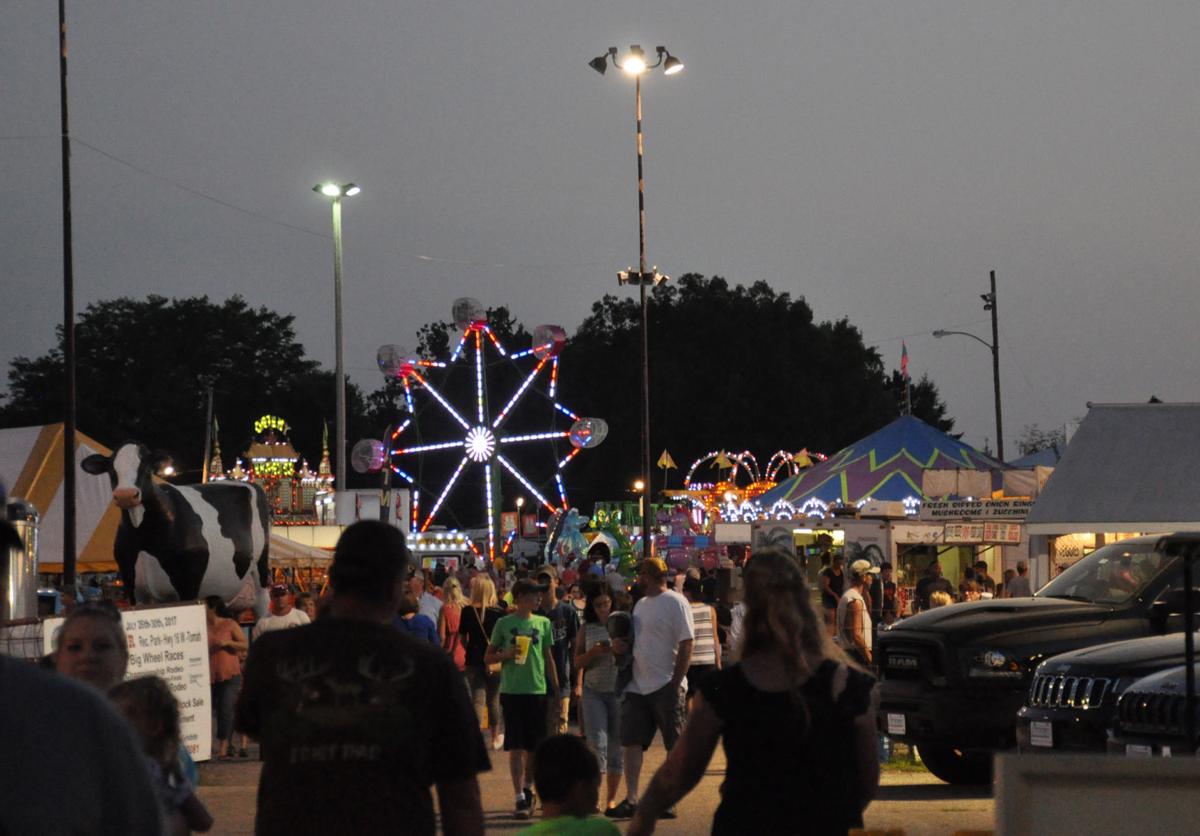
(172, 643)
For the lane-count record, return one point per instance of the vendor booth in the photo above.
(1130, 469)
(908, 494)
(31, 466)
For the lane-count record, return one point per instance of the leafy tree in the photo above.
(144, 365)
(733, 367)
(925, 402)
(1034, 439)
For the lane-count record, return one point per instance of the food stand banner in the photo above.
(773, 534)
(508, 522)
(976, 509)
(992, 532)
(170, 642)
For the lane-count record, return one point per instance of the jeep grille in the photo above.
(1157, 713)
(1061, 691)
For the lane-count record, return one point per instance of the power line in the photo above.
(433, 259)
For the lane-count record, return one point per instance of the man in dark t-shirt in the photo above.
(357, 720)
(932, 582)
(565, 625)
(833, 580)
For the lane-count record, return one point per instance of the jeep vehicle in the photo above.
(952, 679)
(1072, 701)
(1150, 717)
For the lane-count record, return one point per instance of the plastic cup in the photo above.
(522, 649)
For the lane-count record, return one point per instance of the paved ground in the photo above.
(916, 802)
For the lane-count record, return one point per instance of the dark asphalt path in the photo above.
(915, 801)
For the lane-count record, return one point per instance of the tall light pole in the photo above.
(520, 503)
(336, 191)
(634, 64)
(989, 304)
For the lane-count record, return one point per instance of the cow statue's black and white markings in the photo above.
(187, 542)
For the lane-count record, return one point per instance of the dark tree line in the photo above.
(144, 367)
(732, 367)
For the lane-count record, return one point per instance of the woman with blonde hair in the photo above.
(796, 717)
(450, 620)
(475, 627)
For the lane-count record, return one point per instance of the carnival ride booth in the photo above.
(869, 500)
(1129, 469)
(472, 426)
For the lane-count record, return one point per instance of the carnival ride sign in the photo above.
(972, 509)
(170, 642)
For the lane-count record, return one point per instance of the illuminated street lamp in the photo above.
(634, 64)
(520, 504)
(989, 304)
(337, 191)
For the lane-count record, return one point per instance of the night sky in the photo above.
(877, 158)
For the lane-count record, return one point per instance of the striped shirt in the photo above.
(601, 674)
(704, 651)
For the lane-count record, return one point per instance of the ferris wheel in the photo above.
(475, 433)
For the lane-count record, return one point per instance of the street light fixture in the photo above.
(337, 191)
(989, 304)
(634, 64)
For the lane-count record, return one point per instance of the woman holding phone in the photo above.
(601, 707)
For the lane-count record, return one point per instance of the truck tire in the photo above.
(957, 767)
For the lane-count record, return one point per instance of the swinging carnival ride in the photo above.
(474, 442)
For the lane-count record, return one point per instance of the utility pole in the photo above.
(989, 304)
(68, 578)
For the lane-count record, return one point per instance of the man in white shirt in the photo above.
(662, 650)
(282, 615)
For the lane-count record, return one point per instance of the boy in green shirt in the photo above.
(568, 780)
(523, 642)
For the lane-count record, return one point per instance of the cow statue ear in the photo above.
(158, 460)
(96, 464)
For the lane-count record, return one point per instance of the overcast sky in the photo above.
(876, 158)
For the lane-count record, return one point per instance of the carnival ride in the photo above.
(477, 434)
(743, 483)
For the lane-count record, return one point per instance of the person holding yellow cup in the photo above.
(522, 643)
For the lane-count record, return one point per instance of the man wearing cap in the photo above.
(565, 625)
(662, 650)
(357, 720)
(853, 621)
(283, 616)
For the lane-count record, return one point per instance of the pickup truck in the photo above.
(953, 678)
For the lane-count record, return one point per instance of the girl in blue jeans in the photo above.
(601, 704)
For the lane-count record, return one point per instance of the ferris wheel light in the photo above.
(480, 444)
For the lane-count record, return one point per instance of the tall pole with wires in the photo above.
(68, 319)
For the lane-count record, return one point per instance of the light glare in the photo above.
(633, 65)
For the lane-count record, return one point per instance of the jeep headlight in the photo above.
(993, 663)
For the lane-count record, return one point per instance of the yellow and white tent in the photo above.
(31, 467)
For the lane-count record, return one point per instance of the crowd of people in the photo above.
(384, 689)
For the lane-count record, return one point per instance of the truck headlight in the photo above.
(993, 663)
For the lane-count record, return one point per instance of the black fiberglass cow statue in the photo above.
(188, 542)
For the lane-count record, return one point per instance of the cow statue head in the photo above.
(131, 470)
